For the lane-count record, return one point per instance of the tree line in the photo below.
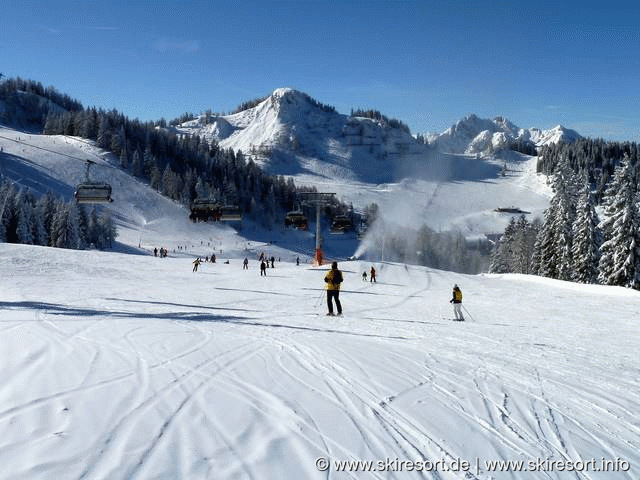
(52, 222)
(25, 102)
(595, 158)
(376, 115)
(573, 242)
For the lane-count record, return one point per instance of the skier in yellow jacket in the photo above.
(457, 303)
(333, 279)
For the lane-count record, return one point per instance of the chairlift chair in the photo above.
(230, 213)
(93, 192)
(205, 210)
(341, 224)
(296, 219)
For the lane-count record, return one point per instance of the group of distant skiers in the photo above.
(162, 252)
(372, 277)
(334, 279)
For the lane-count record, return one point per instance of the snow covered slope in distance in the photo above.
(144, 218)
(365, 160)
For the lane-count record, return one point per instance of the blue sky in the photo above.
(426, 63)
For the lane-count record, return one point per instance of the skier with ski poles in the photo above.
(196, 264)
(333, 279)
(457, 303)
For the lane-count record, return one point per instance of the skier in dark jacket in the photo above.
(457, 303)
(333, 279)
(263, 268)
(196, 264)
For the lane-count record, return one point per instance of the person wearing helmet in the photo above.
(457, 303)
(333, 279)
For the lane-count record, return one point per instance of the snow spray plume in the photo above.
(445, 250)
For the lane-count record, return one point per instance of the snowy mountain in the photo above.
(289, 133)
(475, 135)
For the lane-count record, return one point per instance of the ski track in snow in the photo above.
(152, 371)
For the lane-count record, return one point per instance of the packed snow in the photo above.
(130, 366)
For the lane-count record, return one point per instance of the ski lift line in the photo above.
(45, 149)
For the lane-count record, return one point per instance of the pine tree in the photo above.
(620, 251)
(552, 255)
(74, 227)
(24, 229)
(525, 236)
(4, 200)
(544, 255)
(124, 158)
(565, 186)
(10, 212)
(586, 238)
(502, 257)
(148, 161)
(169, 183)
(46, 208)
(59, 226)
(108, 231)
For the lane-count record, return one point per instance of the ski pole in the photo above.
(465, 309)
(319, 299)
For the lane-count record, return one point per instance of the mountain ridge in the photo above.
(476, 135)
(286, 129)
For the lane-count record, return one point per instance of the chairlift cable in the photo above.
(45, 149)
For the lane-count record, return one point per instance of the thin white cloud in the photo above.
(100, 27)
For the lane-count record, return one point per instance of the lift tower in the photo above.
(319, 199)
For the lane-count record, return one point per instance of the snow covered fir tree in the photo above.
(574, 242)
(52, 222)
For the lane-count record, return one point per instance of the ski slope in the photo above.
(120, 366)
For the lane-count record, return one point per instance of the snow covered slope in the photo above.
(475, 135)
(144, 218)
(133, 367)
